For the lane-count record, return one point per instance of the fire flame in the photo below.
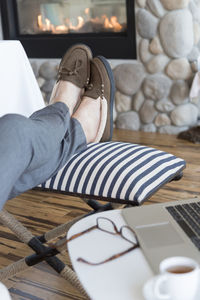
(111, 23)
(79, 25)
(87, 11)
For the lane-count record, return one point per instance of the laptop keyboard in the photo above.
(188, 218)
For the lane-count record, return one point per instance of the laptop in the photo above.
(166, 229)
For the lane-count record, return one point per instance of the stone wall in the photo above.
(153, 92)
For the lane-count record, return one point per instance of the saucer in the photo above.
(148, 289)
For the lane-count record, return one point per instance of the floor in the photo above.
(41, 211)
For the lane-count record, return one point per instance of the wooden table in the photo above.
(123, 278)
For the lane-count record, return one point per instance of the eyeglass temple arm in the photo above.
(108, 259)
(81, 233)
(60, 244)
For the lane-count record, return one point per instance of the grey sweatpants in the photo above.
(33, 149)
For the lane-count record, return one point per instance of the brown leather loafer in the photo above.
(102, 85)
(75, 65)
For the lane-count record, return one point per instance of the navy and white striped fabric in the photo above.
(116, 171)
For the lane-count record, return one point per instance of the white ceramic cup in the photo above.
(179, 279)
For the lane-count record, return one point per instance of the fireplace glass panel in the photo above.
(71, 16)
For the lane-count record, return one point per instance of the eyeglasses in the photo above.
(108, 226)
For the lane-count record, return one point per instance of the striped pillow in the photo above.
(116, 171)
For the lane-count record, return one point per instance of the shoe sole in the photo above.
(110, 100)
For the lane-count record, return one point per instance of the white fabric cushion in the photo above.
(116, 171)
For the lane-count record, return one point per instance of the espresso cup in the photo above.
(179, 279)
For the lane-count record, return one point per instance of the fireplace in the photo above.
(46, 28)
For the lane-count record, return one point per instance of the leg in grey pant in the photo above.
(33, 149)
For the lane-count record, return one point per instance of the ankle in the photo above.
(88, 114)
(67, 93)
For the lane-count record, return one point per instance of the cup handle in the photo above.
(157, 292)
